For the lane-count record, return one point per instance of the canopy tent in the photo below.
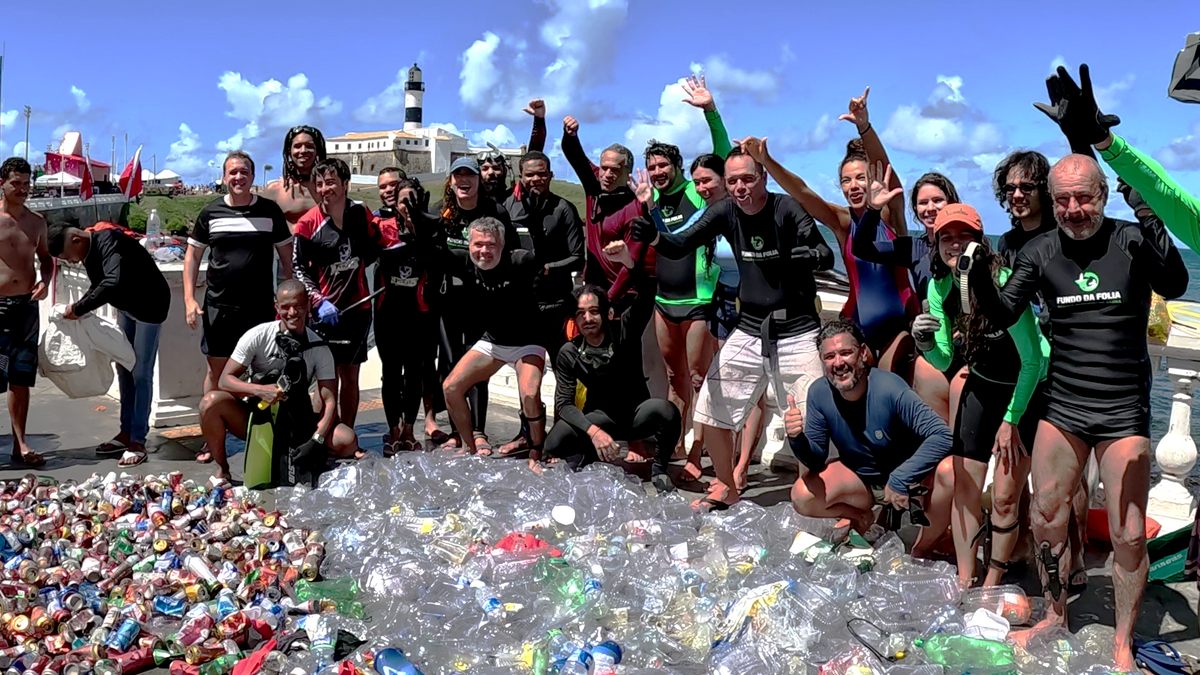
(59, 179)
(167, 176)
(147, 175)
(1185, 78)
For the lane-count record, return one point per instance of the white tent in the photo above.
(167, 176)
(58, 179)
(147, 175)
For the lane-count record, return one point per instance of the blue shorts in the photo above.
(18, 341)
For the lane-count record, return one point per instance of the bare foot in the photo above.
(1123, 656)
(692, 472)
(716, 500)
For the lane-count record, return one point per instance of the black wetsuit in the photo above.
(1097, 292)
(501, 304)
(555, 235)
(1010, 244)
(617, 399)
(777, 250)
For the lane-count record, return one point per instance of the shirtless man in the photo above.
(295, 191)
(22, 237)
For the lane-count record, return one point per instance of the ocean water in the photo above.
(1162, 391)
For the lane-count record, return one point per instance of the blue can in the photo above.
(165, 503)
(171, 606)
(122, 638)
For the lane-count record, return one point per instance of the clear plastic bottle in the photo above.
(153, 231)
(578, 663)
(488, 602)
(606, 656)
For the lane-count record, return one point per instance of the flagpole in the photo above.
(87, 157)
(3, 52)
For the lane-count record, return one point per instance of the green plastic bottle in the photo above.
(963, 655)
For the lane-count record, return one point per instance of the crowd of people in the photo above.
(685, 301)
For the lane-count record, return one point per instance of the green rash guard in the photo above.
(688, 281)
(1025, 343)
(1179, 211)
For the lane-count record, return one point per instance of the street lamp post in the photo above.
(28, 112)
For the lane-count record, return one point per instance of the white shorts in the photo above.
(738, 378)
(509, 355)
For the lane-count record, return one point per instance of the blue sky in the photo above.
(951, 83)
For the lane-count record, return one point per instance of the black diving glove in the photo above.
(1075, 111)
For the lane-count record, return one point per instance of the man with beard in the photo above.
(1020, 185)
(778, 246)
(335, 241)
(494, 168)
(888, 439)
(296, 191)
(556, 239)
(1095, 275)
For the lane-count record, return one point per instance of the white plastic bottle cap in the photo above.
(563, 514)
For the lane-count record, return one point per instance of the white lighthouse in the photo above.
(414, 93)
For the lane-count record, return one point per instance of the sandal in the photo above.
(517, 446)
(453, 441)
(204, 456)
(390, 448)
(110, 448)
(712, 504)
(437, 437)
(30, 459)
(1160, 658)
(483, 447)
(132, 458)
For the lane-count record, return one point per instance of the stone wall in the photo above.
(369, 163)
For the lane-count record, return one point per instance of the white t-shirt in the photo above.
(258, 352)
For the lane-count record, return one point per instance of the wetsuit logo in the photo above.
(1088, 282)
(757, 243)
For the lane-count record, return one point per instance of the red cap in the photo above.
(958, 213)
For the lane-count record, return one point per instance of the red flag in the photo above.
(131, 177)
(87, 188)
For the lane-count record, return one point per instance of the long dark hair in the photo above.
(715, 164)
(972, 325)
(938, 181)
(290, 174)
(1037, 167)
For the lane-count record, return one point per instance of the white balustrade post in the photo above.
(1170, 499)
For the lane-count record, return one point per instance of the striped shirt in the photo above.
(241, 260)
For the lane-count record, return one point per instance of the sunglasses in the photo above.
(1026, 188)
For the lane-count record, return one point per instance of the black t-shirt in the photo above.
(777, 250)
(242, 241)
(123, 274)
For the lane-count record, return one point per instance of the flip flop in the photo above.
(30, 459)
(712, 504)
(1074, 586)
(453, 442)
(132, 458)
(517, 447)
(204, 452)
(110, 448)
(662, 482)
(390, 448)
(1160, 658)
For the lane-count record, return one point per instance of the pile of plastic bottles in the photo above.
(123, 574)
(473, 565)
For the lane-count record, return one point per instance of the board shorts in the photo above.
(738, 377)
(18, 341)
(509, 355)
(222, 327)
(981, 410)
(348, 338)
(681, 313)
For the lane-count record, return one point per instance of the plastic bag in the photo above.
(77, 355)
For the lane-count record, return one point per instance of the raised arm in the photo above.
(537, 135)
(935, 444)
(876, 155)
(896, 252)
(1163, 265)
(810, 252)
(573, 150)
(1179, 210)
(698, 95)
(795, 186)
(635, 319)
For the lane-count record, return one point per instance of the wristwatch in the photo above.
(319, 438)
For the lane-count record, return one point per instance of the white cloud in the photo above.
(186, 158)
(1182, 154)
(8, 119)
(946, 126)
(792, 141)
(447, 126)
(1109, 97)
(81, 99)
(761, 85)
(35, 156)
(386, 107)
(271, 105)
(1058, 61)
(500, 73)
(501, 136)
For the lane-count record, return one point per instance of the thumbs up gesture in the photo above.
(793, 421)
